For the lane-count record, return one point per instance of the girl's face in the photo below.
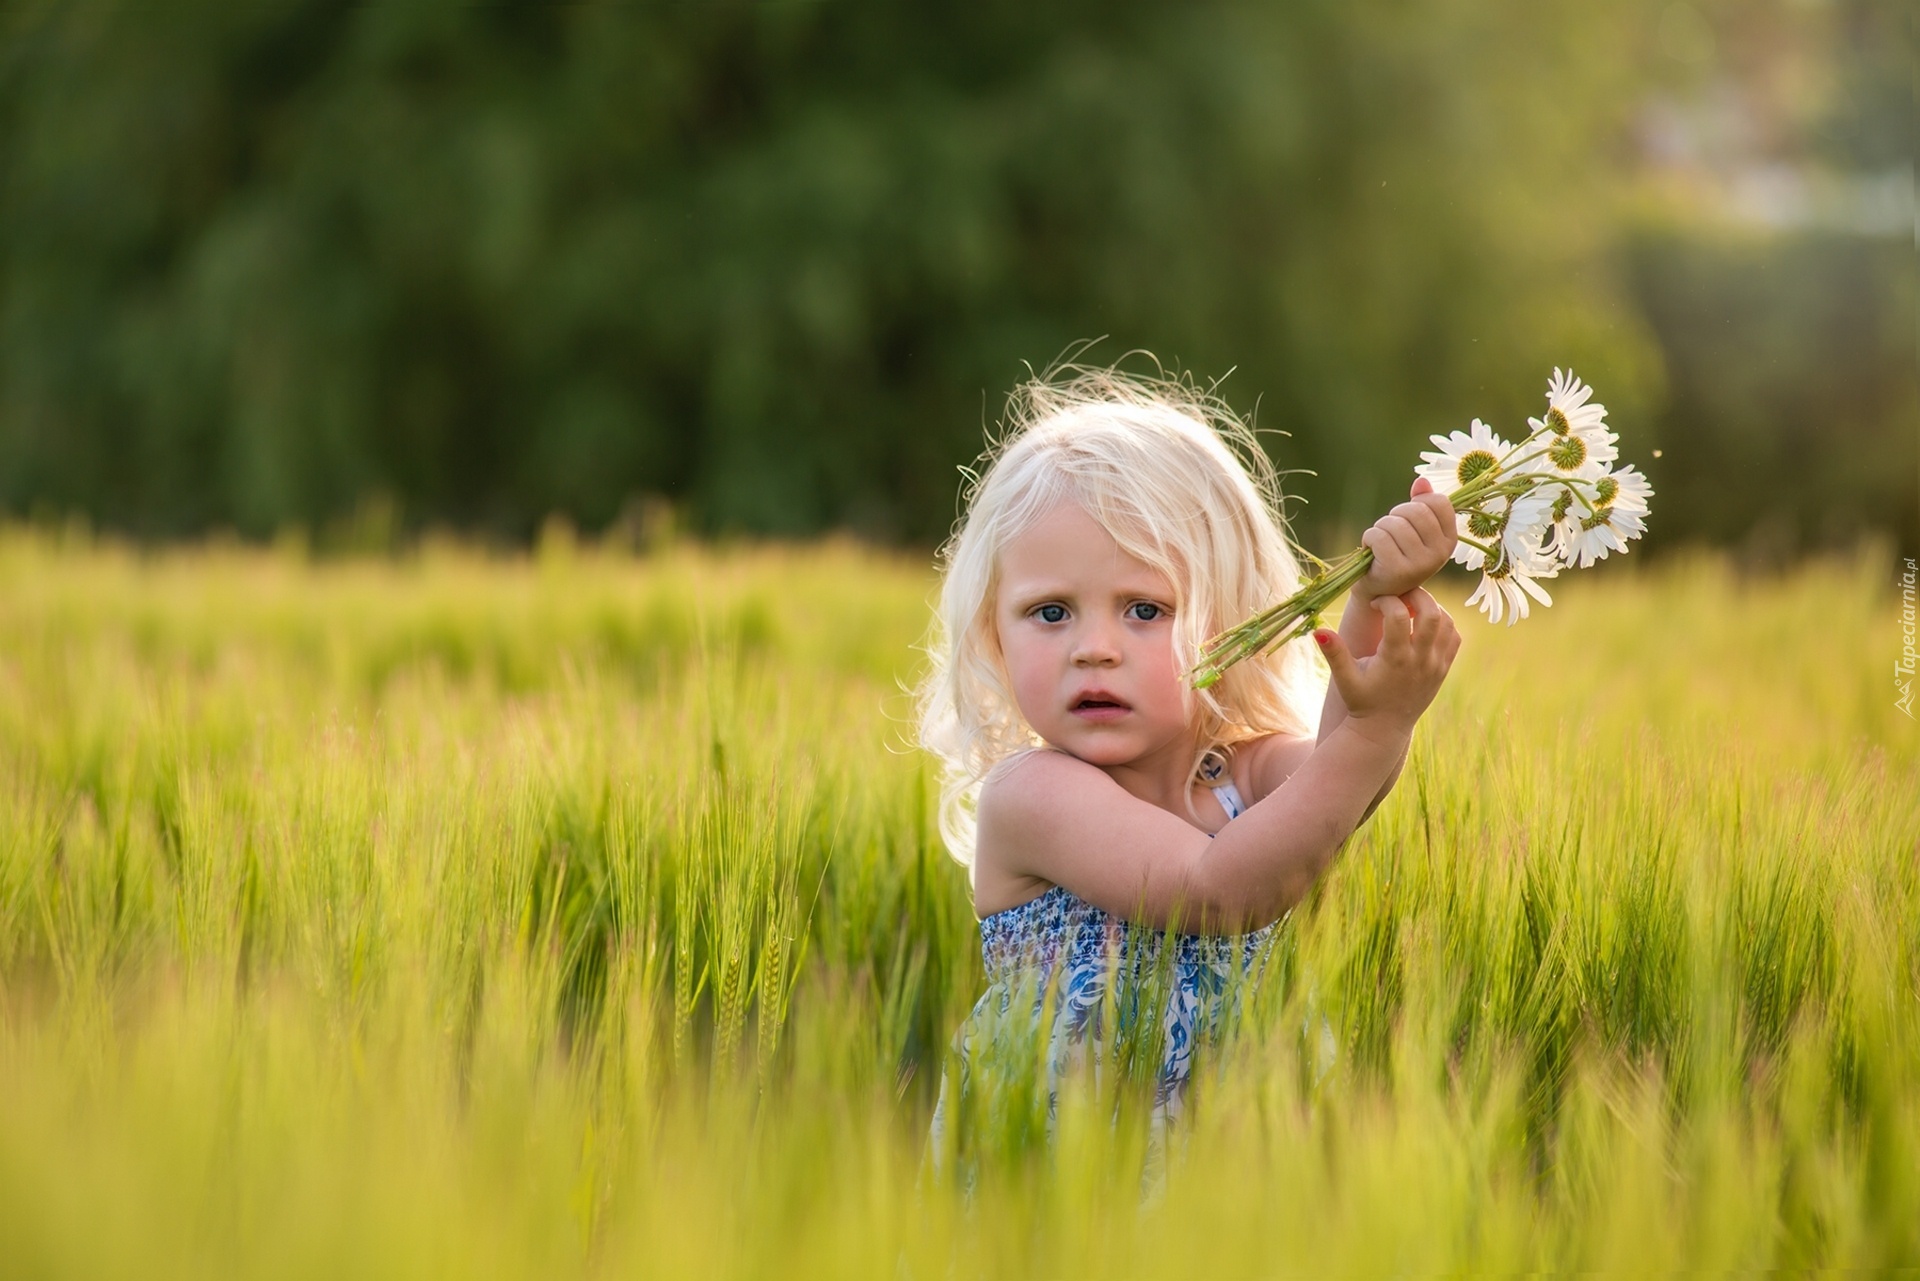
(1086, 631)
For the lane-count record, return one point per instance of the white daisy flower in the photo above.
(1580, 537)
(1566, 508)
(1530, 516)
(1462, 457)
(1505, 587)
(1526, 521)
(1565, 455)
(1604, 532)
(1464, 552)
(1634, 490)
(1576, 431)
(1568, 408)
(1514, 527)
(1592, 539)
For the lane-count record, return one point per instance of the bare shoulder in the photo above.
(1022, 801)
(1022, 785)
(1264, 763)
(1023, 793)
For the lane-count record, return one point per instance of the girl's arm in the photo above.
(1409, 545)
(1057, 819)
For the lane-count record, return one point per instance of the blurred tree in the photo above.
(779, 262)
(1793, 422)
(1771, 251)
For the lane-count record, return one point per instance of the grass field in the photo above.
(582, 914)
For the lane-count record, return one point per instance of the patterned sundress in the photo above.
(1092, 965)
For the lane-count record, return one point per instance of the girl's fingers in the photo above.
(1441, 507)
(1435, 536)
(1434, 635)
(1437, 523)
(1424, 520)
(1396, 630)
(1346, 673)
(1404, 537)
(1426, 619)
(1385, 547)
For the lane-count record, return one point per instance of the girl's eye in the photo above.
(1146, 611)
(1052, 613)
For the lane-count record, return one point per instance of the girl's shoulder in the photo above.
(1019, 793)
(1033, 775)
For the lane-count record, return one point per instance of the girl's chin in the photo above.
(1101, 754)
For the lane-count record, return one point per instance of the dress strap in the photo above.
(1213, 772)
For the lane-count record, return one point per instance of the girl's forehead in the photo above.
(1066, 541)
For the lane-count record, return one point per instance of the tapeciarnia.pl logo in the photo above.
(1903, 666)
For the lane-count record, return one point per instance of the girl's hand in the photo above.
(1386, 694)
(1409, 544)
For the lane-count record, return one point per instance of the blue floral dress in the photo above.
(1163, 990)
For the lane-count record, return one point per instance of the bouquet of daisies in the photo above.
(1525, 512)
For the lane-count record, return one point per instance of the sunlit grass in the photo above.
(579, 913)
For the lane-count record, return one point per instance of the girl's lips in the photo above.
(1099, 705)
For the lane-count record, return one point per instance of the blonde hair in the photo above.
(1181, 484)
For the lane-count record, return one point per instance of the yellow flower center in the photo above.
(1481, 525)
(1477, 463)
(1567, 453)
(1557, 419)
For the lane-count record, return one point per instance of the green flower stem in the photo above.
(1502, 480)
(1300, 613)
(1573, 485)
(1501, 473)
(1508, 463)
(1291, 619)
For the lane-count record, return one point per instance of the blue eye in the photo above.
(1145, 610)
(1052, 613)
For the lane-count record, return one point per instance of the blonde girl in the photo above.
(1102, 806)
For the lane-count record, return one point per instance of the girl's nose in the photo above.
(1095, 647)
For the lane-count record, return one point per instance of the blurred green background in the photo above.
(769, 268)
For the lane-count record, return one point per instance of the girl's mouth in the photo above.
(1099, 706)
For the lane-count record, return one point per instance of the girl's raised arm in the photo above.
(1058, 819)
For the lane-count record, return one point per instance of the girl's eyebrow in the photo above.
(1027, 594)
(1146, 589)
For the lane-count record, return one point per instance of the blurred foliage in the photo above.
(776, 263)
(1792, 415)
(583, 915)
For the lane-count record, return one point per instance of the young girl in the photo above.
(1103, 806)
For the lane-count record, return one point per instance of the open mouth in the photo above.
(1099, 703)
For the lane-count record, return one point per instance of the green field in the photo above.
(583, 914)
